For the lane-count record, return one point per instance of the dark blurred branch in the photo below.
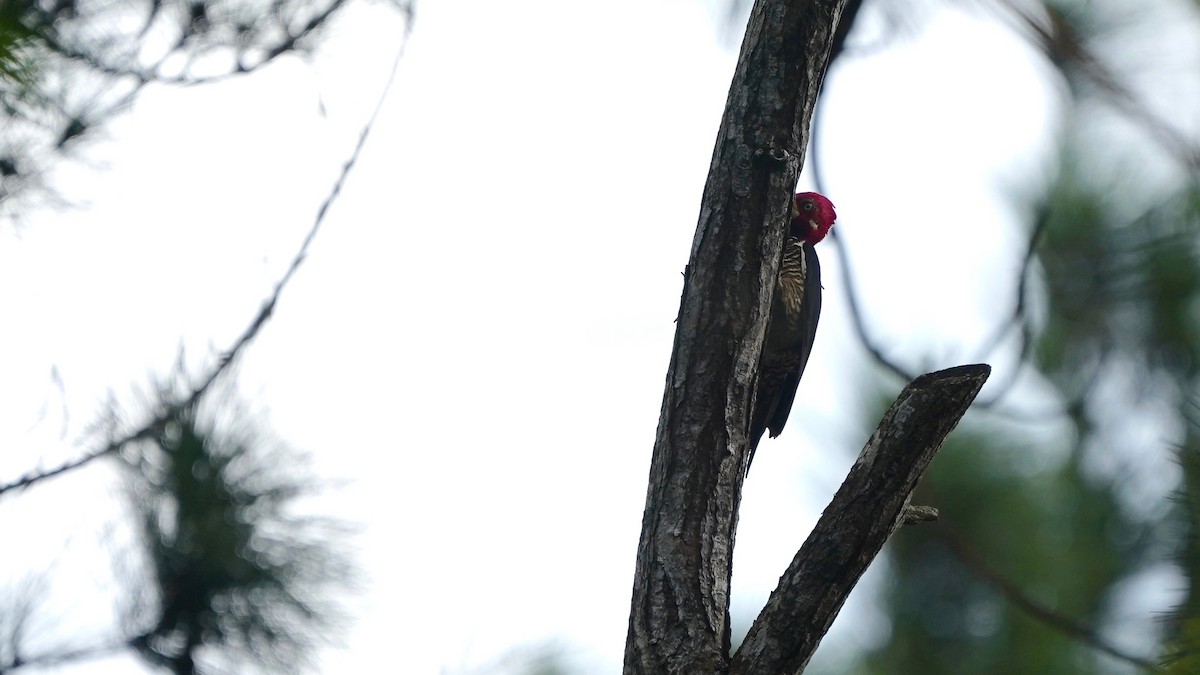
(1064, 47)
(856, 313)
(868, 507)
(858, 317)
(46, 20)
(849, 15)
(92, 61)
(286, 45)
(82, 63)
(1064, 624)
(155, 425)
(1181, 653)
(1019, 317)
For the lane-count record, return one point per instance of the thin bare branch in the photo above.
(146, 74)
(155, 425)
(1064, 624)
(285, 46)
(857, 315)
(1063, 46)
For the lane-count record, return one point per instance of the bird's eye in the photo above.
(808, 205)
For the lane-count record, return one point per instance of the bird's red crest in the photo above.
(812, 216)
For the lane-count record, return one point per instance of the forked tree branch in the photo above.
(679, 618)
(868, 507)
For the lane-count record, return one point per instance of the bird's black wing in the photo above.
(810, 314)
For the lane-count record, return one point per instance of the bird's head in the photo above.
(812, 217)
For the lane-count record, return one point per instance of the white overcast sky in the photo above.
(477, 342)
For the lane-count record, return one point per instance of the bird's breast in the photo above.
(786, 314)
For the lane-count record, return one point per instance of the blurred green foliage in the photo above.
(240, 579)
(1041, 532)
(16, 67)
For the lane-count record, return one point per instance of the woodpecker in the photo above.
(794, 314)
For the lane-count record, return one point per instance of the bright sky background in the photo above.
(478, 339)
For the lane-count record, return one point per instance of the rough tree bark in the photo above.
(868, 507)
(679, 620)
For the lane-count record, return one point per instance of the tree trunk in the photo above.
(680, 620)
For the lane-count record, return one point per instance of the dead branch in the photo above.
(868, 507)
